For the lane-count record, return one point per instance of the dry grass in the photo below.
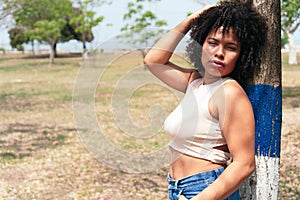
(289, 187)
(42, 157)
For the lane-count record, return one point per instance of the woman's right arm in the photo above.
(157, 58)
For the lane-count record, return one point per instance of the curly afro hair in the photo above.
(247, 24)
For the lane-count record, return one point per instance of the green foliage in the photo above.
(84, 20)
(17, 37)
(47, 30)
(284, 39)
(290, 17)
(138, 20)
(27, 15)
(41, 20)
(290, 12)
(31, 11)
(51, 21)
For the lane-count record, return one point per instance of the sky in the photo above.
(172, 11)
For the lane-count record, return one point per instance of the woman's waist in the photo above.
(184, 165)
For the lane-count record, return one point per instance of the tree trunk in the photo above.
(84, 50)
(266, 97)
(52, 54)
(292, 50)
(55, 50)
(32, 48)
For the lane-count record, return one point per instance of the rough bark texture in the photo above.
(270, 73)
(248, 189)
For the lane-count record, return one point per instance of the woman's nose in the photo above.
(219, 53)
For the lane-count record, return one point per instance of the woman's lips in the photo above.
(217, 63)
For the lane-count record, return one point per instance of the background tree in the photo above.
(84, 20)
(79, 19)
(17, 38)
(43, 20)
(49, 32)
(290, 21)
(137, 21)
(284, 39)
(7, 7)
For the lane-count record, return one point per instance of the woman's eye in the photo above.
(212, 43)
(231, 48)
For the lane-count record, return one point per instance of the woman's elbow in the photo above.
(147, 63)
(151, 63)
(149, 60)
(146, 60)
(249, 167)
(252, 167)
(246, 167)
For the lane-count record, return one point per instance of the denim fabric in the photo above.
(193, 185)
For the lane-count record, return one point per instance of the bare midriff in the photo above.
(185, 165)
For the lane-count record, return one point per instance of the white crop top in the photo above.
(192, 129)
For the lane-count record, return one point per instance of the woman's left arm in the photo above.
(237, 123)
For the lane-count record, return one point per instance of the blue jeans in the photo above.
(193, 185)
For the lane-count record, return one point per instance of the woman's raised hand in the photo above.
(197, 13)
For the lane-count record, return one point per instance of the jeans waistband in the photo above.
(202, 175)
(170, 180)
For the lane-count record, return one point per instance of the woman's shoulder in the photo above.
(230, 97)
(233, 90)
(230, 89)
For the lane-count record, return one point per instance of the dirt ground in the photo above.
(68, 171)
(48, 161)
(290, 155)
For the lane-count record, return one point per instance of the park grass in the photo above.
(290, 140)
(142, 97)
(31, 96)
(37, 125)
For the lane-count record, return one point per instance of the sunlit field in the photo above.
(42, 156)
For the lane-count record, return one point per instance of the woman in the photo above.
(214, 123)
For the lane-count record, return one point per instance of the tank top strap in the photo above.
(212, 88)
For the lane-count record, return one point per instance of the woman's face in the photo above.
(220, 53)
